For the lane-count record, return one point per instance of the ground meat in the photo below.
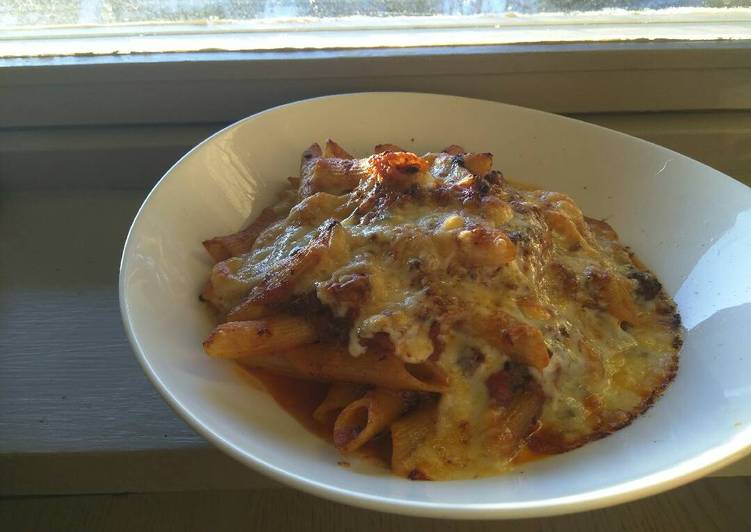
(380, 342)
(305, 304)
(664, 307)
(494, 177)
(438, 345)
(416, 474)
(350, 290)
(469, 360)
(482, 187)
(566, 277)
(504, 385)
(518, 236)
(647, 284)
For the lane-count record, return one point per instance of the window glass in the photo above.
(81, 12)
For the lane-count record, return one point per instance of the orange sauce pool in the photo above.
(525, 456)
(299, 398)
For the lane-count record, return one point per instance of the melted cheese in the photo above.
(424, 250)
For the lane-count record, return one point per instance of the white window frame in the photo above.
(145, 110)
(225, 86)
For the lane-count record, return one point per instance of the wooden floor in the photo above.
(707, 505)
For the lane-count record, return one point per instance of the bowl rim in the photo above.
(666, 479)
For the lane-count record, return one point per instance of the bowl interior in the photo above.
(689, 223)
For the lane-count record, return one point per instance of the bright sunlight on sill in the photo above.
(35, 28)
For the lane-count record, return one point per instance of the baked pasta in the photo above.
(428, 310)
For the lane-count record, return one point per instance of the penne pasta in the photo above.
(365, 418)
(332, 149)
(223, 247)
(592, 358)
(407, 435)
(380, 148)
(603, 228)
(316, 208)
(278, 286)
(510, 426)
(522, 342)
(398, 170)
(533, 309)
(225, 289)
(479, 164)
(454, 150)
(332, 175)
(237, 339)
(251, 308)
(566, 228)
(616, 293)
(207, 295)
(339, 395)
(327, 362)
(424, 296)
(484, 247)
(311, 153)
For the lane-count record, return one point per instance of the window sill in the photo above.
(223, 87)
(362, 32)
(78, 414)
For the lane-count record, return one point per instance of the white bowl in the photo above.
(688, 222)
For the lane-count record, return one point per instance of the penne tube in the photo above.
(339, 395)
(398, 170)
(566, 228)
(250, 309)
(454, 150)
(310, 154)
(223, 247)
(522, 342)
(332, 149)
(532, 309)
(278, 286)
(510, 426)
(407, 435)
(207, 294)
(380, 148)
(616, 292)
(365, 418)
(482, 247)
(592, 358)
(225, 289)
(316, 208)
(237, 339)
(277, 289)
(620, 301)
(479, 164)
(326, 362)
(332, 175)
(602, 228)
